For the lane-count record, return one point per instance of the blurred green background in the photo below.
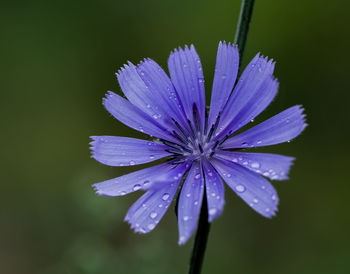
(58, 58)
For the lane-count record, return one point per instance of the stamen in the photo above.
(184, 132)
(213, 127)
(196, 117)
(206, 121)
(182, 140)
(176, 146)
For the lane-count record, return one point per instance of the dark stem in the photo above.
(200, 241)
(203, 224)
(245, 17)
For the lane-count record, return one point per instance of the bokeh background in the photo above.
(58, 58)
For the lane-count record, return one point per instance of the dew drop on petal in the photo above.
(197, 176)
(153, 215)
(122, 193)
(132, 163)
(151, 157)
(212, 211)
(136, 187)
(256, 201)
(188, 195)
(274, 197)
(255, 165)
(186, 218)
(146, 183)
(151, 226)
(240, 188)
(165, 196)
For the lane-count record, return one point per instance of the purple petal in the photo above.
(273, 166)
(146, 212)
(215, 191)
(162, 90)
(152, 177)
(253, 93)
(254, 189)
(135, 118)
(149, 88)
(123, 151)
(190, 202)
(280, 128)
(187, 76)
(226, 69)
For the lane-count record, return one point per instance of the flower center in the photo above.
(195, 142)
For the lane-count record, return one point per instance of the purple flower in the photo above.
(201, 149)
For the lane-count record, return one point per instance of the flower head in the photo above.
(201, 148)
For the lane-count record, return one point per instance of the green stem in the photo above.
(245, 17)
(201, 239)
(200, 242)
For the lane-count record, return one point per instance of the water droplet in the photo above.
(136, 187)
(210, 173)
(197, 176)
(132, 163)
(146, 183)
(148, 106)
(267, 210)
(150, 143)
(186, 218)
(155, 116)
(160, 205)
(255, 165)
(165, 196)
(259, 142)
(144, 205)
(245, 163)
(266, 173)
(240, 188)
(223, 77)
(188, 195)
(252, 120)
(153, 215)
(151, 157)
(228, 175)
(274, 177)
(212, 211)
(274, 197)
(213, 194)
(121, 164)
(234, 160)
(263, 187)
(244, 144)
(256, 201)
(151, 226)
(122, 193)
(195, 203)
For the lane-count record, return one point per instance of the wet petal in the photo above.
(190, 202)
(281, 128)
(187, 76)
(273, 166)
(254, 189)
(215, 191)
(149, 88)
(226, 68)
(147, 211)
(123, 151)
(135, 118)
(152, 177)
(253, 93)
